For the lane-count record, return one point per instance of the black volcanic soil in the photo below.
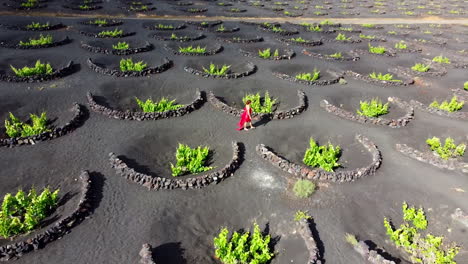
(181, 224)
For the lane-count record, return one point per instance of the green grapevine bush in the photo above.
(383, 77)
(427, 249)
(374, 108)
(191, 49)
(121, 46)
(37, 25)
(376, 49)
(243, 248)
(420, 67)
(266, 53)
(16, 128)
(23, 212)
(299, 215)
(149, 106)
(304, 188)
(325, 157)
(129, 65)
(190, 160)
(216, 70)
(38, 69)
(42, 40)
(309, 76)
(448, 150)
(257, 105)
(441, 59)
(451, 106)
(111, 33)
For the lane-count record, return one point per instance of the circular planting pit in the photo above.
(304, 172)
(254, 50)
(83, 8)
(96, 34)
(301, 42)
(163, 26)
(108, 22)
(109, 66)
(279, 114)
(205, 24)
(432, 110)
(107, 47)
(290, 72)
(138, 115)
(179, 36)
(333, 55)
(236, 69)
(235, 10)
(279, 30)
(59, 69)
(13, 42)
(389, 52)
(181, 49)
(365, 77)
(403, 115)
(239, 38)
(79, 115)
(28, 26)
(133, 171)
(435, 69)
(64, 218)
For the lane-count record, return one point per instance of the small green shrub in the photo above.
(162, 26)
(42, 40)
(383, 77)
(336, 55)
(190, 160)
(441, 59)
(451, 106)
(300, 215)
(363, 36)
(258, 105)
(376, 49)
(401, 45)
(277, 29)
(37, 25)
(84, 7)
(38, 69)
(316, 28)
(23, 212)
(324, 157)
(368, 25)
(16, 128)
(175, 37)
(298, 40)
(465, 86)
(111, 33)
(29, 3)
(139, 8)
(266, 53)
(127, 65)
(221, 28)
(327, 23)
(243, 248)
(216, 70)
(428, 249)
(374, 108)
(448, 150)
(342, 37)
(304, 188)
(420, 67)
(315, 75)
(121, 46)
(150, 106)
(345, 29)
(191, 49)
(351, 239)
(99, 22)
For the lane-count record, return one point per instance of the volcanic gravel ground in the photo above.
(181, 224)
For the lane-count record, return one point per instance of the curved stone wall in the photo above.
(307, 43)
(117, 73)
(140, 116)
(290, 78)
(303, 171)
(217, 49)
(366, 78)
(353, 56)
(57, 230)
(287, 54)
(53, 44)
(59, 73)
(251, 68)
(75, 122)
(96, 35)
(393, 123)
(306, 234)
(159, 183)
(129, 51)
(431, 110)
(239, 40)
(276, 115)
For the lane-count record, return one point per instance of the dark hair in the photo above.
(248, 102)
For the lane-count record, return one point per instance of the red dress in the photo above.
(245, 118)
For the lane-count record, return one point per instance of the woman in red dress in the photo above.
(246, 117)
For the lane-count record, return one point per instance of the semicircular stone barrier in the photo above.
(216, 49)
(57, 230)
(217, 103)
(159, 183)
(75, 122)
(140, 116)
(24, 28)
(96, 35)
(430, 158)
(167, 64)
(53, 44)
(303, 171)
(352, 56)
(368, 79)
(431, 110)
(284, 76)
(147, 47)
(393, 123)
(240, 40)
(251, 68)
(59, 73)
(372, 256)
(306, 233)
(110, 23)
